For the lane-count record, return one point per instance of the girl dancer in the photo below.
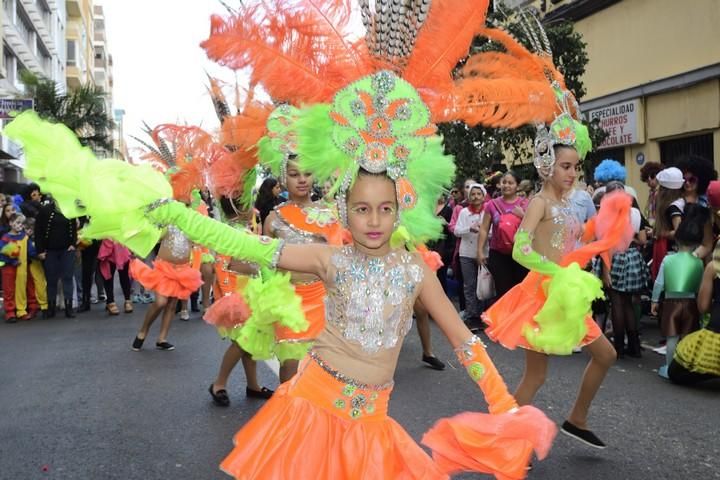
(679, 277)
(298, 221)
(544, 244)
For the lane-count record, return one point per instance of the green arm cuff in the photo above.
(220, 237)
(524, 254)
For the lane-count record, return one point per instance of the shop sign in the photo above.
(9, 106)
(620, 121)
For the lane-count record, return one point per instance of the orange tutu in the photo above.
(167, 279)
(318, 427)
(313, 304)
(508, 316)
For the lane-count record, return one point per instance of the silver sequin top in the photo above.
(177, 242)
(565, 237)
(371, 302)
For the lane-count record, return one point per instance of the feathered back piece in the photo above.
(184, 154)
(233, 175)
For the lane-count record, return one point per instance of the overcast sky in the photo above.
(159, 67)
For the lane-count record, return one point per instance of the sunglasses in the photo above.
(453, 192)
(691, 179)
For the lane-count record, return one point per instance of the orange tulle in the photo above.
(313, 304)
(317, 427)
(499, 444)
(228, 312)
(507, 318)
(167, 279)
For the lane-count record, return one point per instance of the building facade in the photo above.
(653, 79)
(33, 39)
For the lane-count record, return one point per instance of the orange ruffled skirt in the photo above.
(507, 318)
(317, 426)
(313, 305)
(167, 279)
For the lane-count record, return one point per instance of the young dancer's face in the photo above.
(372, 210)
(565, 171)
(298, 183)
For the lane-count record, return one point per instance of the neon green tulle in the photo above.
(569, 293)
(112, 193)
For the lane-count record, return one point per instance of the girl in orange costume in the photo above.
(297, 221)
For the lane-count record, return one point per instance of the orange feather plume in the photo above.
(297, 55)
(443, 41)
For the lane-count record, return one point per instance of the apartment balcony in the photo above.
(41, 22)
(73, 8)
(73, 77)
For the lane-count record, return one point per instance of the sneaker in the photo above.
(433, 362)
(165, 346)
(102, 297)
(184, 315)
(93, 300)
(585, 436)
(136, 298)
(137, 344)
(661, 350)
(148, 298)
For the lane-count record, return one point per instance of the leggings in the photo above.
(505, 271)
(89, 269)
(59, 265)
(124, 275)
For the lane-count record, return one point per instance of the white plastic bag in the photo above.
(485, 284)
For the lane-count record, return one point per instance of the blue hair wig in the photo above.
(609, 170)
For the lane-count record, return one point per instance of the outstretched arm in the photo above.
(265, 251)
(468, 347)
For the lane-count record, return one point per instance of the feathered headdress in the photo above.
(184, 154)
(307, 53)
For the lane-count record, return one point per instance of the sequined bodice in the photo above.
(370, 299)
(177, 242)
(567, 227)
(292, 234)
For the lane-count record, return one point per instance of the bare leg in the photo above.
(230, 359)
(536, 365)
(207, 271)
(288, 369)
(152, 313)
(168, 315)
(250, 367)
(602, 358)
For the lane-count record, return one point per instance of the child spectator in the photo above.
(15, 251)
(679, 277)
(37, 272)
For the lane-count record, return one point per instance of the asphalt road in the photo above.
(77, 403)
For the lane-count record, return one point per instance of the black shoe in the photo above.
(52, 310)
(137, 344)
(585, 436)
(164, 346)
(45, 314)
(68, 309)
(634, 349)
(220, 398)
(433, 362)
(84, 305)
(11, 320)
(263, 393)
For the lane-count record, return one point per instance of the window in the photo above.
(700, 145)
(24, 25)
(71, 53)
(9, 64)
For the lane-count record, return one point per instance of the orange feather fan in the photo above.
(443, 41)
(298, 54)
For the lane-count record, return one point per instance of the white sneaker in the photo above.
(184, 315)
(577, 350)
(660, 350)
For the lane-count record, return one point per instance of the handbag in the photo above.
(485, 284)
